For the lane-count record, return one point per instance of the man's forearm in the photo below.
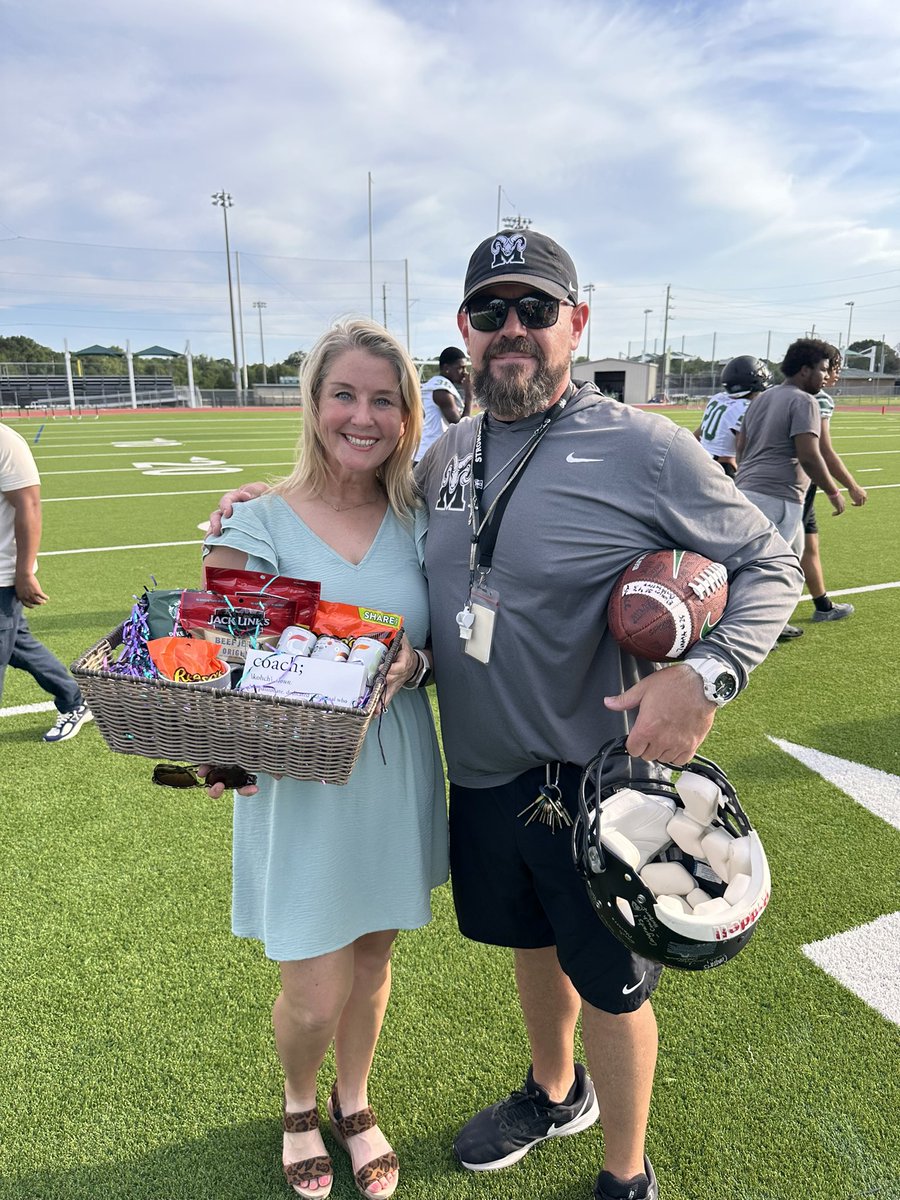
(836, 466)
(27, 532)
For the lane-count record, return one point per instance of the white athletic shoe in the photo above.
(68, 724)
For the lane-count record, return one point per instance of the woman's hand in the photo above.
(401, 670)
(215, 790)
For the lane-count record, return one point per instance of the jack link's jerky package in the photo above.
(247, 609)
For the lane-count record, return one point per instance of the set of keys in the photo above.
(548, 807)
(465, 620)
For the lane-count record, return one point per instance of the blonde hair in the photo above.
(395, 473)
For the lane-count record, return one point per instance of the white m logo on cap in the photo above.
(508, 250)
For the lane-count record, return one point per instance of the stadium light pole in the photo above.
(224, 201)
(647, 312)
(849, 304)
(259, 305)
(589, 288)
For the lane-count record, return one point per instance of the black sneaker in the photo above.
(789, 633)
(642, 1187)
(500, 1135)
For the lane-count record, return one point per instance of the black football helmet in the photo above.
(745, 374)
(675, 871)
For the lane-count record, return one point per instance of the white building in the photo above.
(622, 379)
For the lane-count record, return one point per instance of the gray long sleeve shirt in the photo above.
(606, 483)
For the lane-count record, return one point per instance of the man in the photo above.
(530, 682)
(825, 608)
(441, 398)
(743, 379)
(20, 536)
(778, 446)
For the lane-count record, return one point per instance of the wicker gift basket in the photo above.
(158, 719)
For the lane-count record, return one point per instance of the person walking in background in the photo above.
(825, 608)
(443, 404)
(20, 539)
(778, 447)
(743, 378)
(324, 876)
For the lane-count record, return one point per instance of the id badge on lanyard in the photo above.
(478, 617)
(476, 622)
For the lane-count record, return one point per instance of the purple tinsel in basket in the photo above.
(135, 661)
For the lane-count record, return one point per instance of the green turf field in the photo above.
(138, 1054)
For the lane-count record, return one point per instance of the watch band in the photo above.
(422, 674)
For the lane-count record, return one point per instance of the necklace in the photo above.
(338, 508)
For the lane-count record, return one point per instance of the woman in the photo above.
(325, 876)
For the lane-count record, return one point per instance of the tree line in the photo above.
(209, 372)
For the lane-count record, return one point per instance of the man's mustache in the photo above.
(517, 345)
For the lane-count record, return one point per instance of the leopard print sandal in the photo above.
(307, 1170)
(379, 1168)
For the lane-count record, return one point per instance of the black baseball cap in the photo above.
(522, 256)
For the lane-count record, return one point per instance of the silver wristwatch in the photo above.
(720, 682)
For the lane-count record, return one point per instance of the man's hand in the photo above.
(674, 715)
(226, 505)
(838, 503)
(858, 495)
(29, 591)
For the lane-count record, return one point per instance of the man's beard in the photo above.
(517, 393)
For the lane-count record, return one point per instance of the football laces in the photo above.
(709, 580)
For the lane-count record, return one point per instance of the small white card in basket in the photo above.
(271, 673)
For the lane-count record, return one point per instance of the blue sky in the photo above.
(742, 152)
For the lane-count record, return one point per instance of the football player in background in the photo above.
(743, 379)
(826, 609)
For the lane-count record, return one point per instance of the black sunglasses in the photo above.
(173, 775)
(487, 314)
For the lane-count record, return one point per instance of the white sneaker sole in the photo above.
(578, 1125)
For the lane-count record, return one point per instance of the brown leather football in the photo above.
(665, 602)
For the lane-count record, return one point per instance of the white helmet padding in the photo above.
(675, 871)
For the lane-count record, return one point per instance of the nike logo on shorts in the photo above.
(573, 459)
(626, 991)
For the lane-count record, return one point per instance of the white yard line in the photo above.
(873, 587)
(146, 546)
(133, 470)
(22, 710)
(134, 495)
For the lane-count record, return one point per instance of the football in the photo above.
(665, 602)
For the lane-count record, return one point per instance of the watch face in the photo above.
(725, 686)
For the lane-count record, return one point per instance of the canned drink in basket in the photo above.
(296, 639)
(331, 649)
(370, 652)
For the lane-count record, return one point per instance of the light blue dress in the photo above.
(315, 865)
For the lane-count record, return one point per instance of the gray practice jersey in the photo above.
(606, 483)
(769, 464)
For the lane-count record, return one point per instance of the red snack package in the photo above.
(348, 623)
(227, 581)
(236, 622)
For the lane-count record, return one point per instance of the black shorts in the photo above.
(810, 525)
(516, 885)
(727, 466)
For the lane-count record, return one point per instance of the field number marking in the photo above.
(863, 959)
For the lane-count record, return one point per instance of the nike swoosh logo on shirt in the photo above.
(574, 458)
(626, 991)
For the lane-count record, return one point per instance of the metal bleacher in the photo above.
(38, 391)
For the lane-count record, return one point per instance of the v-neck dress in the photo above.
(315, 865)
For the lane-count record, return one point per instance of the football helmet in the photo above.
(745, 374)
(675, 871)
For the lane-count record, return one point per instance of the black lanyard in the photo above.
(485, 529)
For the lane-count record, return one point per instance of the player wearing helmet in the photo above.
(743, 379)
